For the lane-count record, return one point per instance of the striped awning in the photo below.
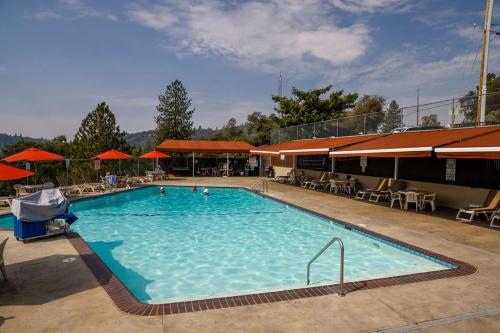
(411, 144)
(486, 146)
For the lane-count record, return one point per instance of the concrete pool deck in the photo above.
(45, 294)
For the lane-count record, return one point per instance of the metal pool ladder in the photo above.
(330, 243)
(260, 185)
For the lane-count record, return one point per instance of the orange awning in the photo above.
(10, 173)
(204, 146)
(33, 154)
(154, 154)
(323, 146)
(486, 146)
(273, 150)
(112, 154)
(410, 144)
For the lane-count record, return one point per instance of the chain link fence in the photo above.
(454, 112)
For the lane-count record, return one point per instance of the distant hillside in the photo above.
(145, 139)
(7, 139)
(142, 139)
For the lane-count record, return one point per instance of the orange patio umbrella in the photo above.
(10, 173)
(112, 154)
(155, 154)
(33, 154)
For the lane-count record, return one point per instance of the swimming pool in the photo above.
(182, 245)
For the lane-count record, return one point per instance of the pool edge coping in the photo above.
(126, 301)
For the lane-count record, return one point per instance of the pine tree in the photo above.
(98, 133)
(175, 114)
(393, 118)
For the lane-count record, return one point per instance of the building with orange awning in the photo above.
(206, 147)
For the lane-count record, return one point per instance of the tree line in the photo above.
(99, 130)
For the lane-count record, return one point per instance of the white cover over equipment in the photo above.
(40, 206)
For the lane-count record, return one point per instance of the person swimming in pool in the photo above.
(205, 192)
(162, 190)
(194, 189)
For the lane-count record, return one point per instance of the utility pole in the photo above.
(481, 102)
(418, 107)
(280, 85)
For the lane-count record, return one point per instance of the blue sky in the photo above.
(60, 58)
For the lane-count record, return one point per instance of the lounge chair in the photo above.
(95, 186)
(494, 218)
(381, 185)
(20, 190)
(65, 187)
(385, 193)
(2, 261)
(6, 201)
(490, 205)
(323, 181)
(82, 188)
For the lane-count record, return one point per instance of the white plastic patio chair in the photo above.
(396, 197)
(412, 198)
(429, 199)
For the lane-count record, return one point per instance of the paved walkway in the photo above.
(47, 294)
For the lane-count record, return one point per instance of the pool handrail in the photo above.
(330, 243)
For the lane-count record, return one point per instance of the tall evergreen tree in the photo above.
(175, 114)
(98, 133)
(310, 106)
(393, 118)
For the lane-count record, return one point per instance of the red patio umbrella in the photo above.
(154, 154)
(10, 173)
(33, 154)
(112, 154)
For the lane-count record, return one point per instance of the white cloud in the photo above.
(291, 35)
(73, 9)
(46, 14)
(474, 33)
(370, 6)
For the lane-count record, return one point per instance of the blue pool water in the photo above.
(183, 245)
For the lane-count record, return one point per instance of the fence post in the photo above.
(297, 136)
(364, 124)
(337, 127)
(279, 135)
(314, 130)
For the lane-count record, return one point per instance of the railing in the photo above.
(262, 183)
(330, 243)
(454, 112)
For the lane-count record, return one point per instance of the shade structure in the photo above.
(411, 144)
(33, 154)
(486, 146)
(273, 150)
(112, 154)
(323, 146)
(204, 146)
(154, 154)
(10, 173)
